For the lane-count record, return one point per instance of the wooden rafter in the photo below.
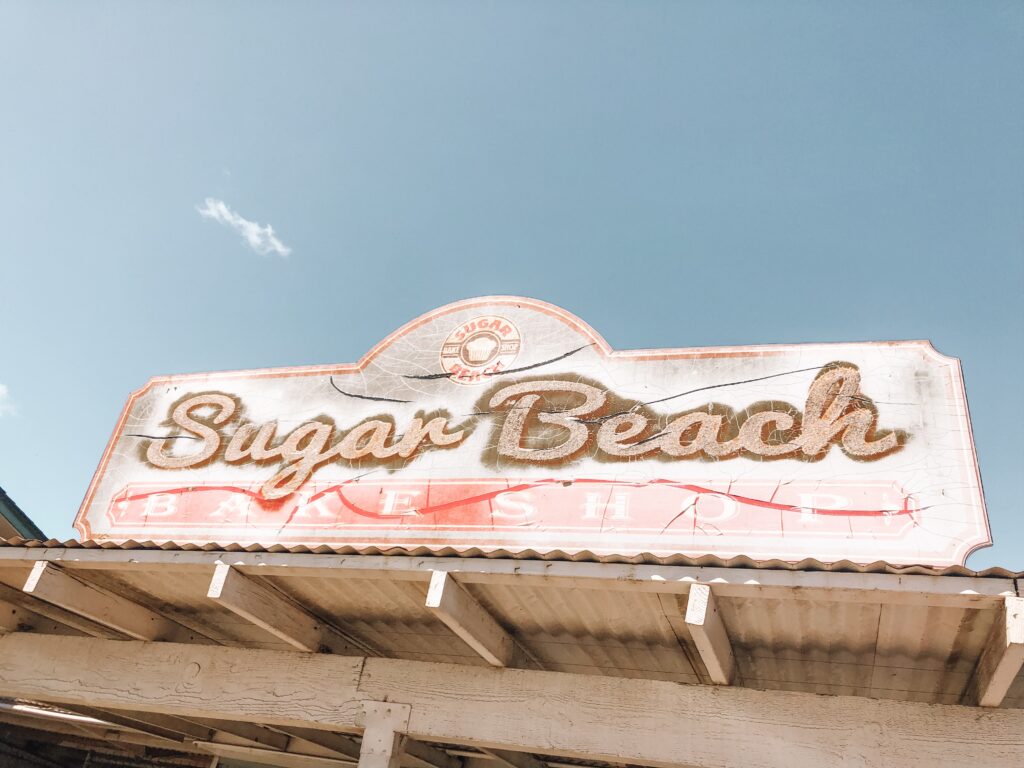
(709, 635)
(458, 609)
(275, 613)
(1003, 657)
(51, 584)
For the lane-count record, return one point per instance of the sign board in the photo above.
(505, 423)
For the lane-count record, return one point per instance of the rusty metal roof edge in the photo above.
(705, 561)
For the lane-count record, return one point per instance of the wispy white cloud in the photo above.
(6, 406)
(260, 238)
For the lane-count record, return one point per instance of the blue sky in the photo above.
(676, 173)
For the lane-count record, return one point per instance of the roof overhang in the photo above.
(748, 637)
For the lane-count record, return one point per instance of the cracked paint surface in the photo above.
(507, 423)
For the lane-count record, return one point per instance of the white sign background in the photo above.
(914, 388)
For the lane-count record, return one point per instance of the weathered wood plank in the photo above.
(709, 634)
(227, 731)
(12, 618)
(97, 734)
(342, 746)
(674, 609)
(189, 681)
(1003, 657)
(580, 716)
(419, 754)
(507, 759)
(666, 724)
(9, 716)
(162, 726)
(49, 583)
(271, 756)
(460, 611)
(56, 615)
(17, 618)
(277, 614)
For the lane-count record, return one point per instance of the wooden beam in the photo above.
(182, 729)
(616, 720)
(27, 720)
(257, 735)
(1003, 657)
(271, 611)
(58, 617)
(426, 756)
(417, 754)
(217, 681)
(460, 611)
(18, 618)
(515, 759)
(342, 746)
(14, 618)
(173, 729)
(271, 756)
(709, 634)
(98, 733)
(674, 609)
(49, 583)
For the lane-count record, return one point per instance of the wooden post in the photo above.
(384, 735)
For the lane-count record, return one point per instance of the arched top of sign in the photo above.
(505, 423)
(574, 326)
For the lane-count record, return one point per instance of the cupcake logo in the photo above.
(479, 348)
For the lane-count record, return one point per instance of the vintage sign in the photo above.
(508, 423)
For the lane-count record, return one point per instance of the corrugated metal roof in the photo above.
(706, 561)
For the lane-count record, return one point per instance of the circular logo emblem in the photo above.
(480, 347)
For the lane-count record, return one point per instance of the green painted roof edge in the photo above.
(21, 522)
